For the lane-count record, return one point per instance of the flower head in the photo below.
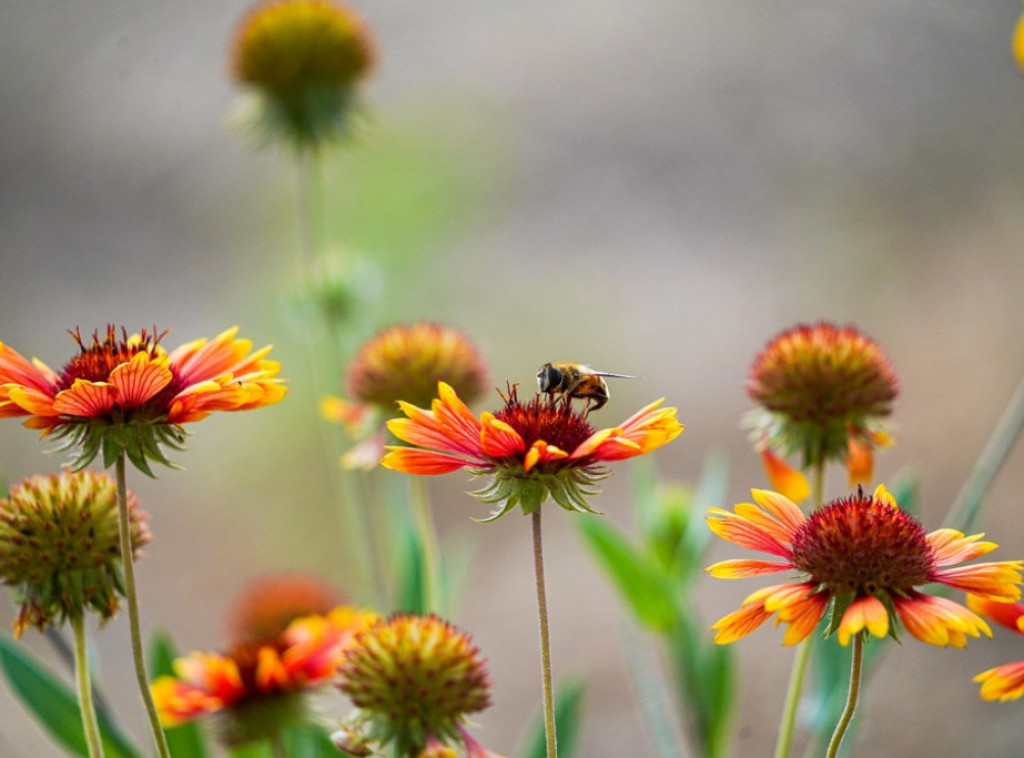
(303, 60)
(531, 450)
(822, 392)
(415, 679)
(861, 557)
(402, 363)
(125, 393)
(257, 687)
(59, 546)
(267, 606)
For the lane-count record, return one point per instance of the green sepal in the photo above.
(839, 604)
(141, 442)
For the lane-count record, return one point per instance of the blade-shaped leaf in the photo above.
(55, 705)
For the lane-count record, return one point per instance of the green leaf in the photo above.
(410, 577)
(55, 705)
(309, 741)
(252, 750)
(568, 715)
(638, 580)
(186, 740)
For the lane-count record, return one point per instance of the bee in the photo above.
(573, 380)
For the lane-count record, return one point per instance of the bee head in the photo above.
(548, 378)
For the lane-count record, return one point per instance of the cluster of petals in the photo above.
(306, 656)
(770, 525)
(449, 437)
(1004, 682)
(222, 374)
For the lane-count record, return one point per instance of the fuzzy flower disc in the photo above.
(415, 676)
(59, 546)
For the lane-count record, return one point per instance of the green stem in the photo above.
(127, 562)
(309, 210)
(784, 743)
(92, 730)
(545, 640)
(971, 496)
(851, 699)
(427, 532)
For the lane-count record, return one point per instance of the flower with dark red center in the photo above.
(60, 549)
(530, 450)
(862, 558)
(126, 394)
(415, 679)
(823, 392)
(258, 687)
(303, 61)
(267, 606)
(1004, 682)
(402, 363)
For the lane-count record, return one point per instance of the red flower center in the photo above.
(864, 545)
(552, 420)
(95, 362)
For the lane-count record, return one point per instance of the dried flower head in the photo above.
(402, 363)
(530, 450)
(125, 394)
(258, 688)
(823, 392)
(863, 558)
(415, 679)
(59, 546)
(304, 60)
(268, 605)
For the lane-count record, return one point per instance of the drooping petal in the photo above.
(739, 623)
(866, 612)
(1002, 683)
(27, 400)
(742, 569)
(427, 462)
(15, 369)
(998, 579)
(784, 478)
(803, 617)
(938, 621)
(860, 461)
(1010, 615)
(541, 452)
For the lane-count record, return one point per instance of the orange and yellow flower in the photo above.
(862, 558)
(822, 391)
(531, 450)
(126, 394)
(257, 687)
(1004, 682)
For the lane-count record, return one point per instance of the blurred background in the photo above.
(652, 187)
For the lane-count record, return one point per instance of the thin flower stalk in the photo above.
(550, 734)
(856, 670)
(83, 683)
(131, 594)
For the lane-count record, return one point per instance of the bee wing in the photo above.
(606, 373)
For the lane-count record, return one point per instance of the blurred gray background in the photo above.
(651, 187)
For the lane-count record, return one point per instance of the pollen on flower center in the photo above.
(863, 544)
(555, 422)
(97, 360)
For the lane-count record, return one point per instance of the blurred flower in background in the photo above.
(269, 604)
(301, 62)
(823, 392)
(402, 363)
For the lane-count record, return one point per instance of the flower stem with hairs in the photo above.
(851, 700)
(127, 560)
(545, 641)
(84, 684)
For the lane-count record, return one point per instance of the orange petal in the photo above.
(784, 478)
(951, 546)
(86, 399)
(742, 569)
(15, 369)
(860, 461)
(998, 579)
(741, 531)
(498, 439)
(139, 380)
(864, 613)
(541, 452)
(1010, 615)
(427, 462)
(938, 621)
(739, 623)
(28, 400)
(1002, 683)
(456, 418)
